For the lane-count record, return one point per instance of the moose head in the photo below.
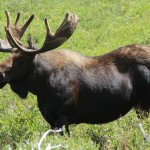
(20, 62)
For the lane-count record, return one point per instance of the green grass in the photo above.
(104, 25)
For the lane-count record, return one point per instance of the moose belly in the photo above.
(104, 101)
(96, 113)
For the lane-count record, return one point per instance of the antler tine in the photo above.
(62, 34)
(7, 44)
(8, 18)
(7, 50)
(15, 43)
(17, 19)
(4, 44)
(48, 28)
(23, 29)
(31, 43)
(16, 30)
(64, 21)
(68, 25)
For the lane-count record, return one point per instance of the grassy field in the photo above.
(104, 25)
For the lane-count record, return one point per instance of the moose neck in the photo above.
(37, 78)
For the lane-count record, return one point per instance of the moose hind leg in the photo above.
(145, 135)
(141, 114)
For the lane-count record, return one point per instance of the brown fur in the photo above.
(61, 58)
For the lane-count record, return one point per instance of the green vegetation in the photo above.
(104, 25)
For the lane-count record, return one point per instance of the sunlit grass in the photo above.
(103, 26)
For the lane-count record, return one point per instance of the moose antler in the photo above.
(16, 30)
(52, 41)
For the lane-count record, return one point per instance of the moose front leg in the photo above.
(55, 118)
(61, 122)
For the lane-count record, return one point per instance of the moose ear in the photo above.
(3, 74)
(20, 88)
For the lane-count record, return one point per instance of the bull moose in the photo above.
(72, 88)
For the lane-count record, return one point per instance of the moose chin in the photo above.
(72, 88)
